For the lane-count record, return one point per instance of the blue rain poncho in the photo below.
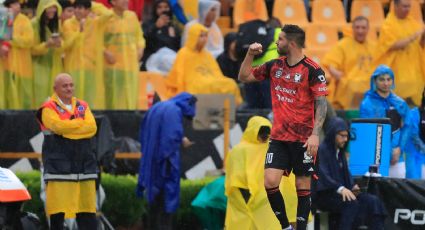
(161, 134)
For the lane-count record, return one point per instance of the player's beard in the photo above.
(283, 51)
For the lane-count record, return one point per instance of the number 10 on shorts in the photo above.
(269, 158)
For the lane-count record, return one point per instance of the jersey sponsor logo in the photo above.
(322, 78)
(278, 73)
(307, 159)
(297, 78)
(285, 90)
(323, 89)
(288, 76)
(284, 99)
(269, 158)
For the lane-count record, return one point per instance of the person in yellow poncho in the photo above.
(82, 55)
(349, 63)
(400, 46)
(17, 62)
(247, 203)
(69, 163)
(124, 45)
(46, 51)
(196, 71)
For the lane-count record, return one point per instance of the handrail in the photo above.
(34, 155)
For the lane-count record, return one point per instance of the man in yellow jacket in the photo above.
(124, 46)
(83, 55)
(350, 64)
(70, 166)
(17, 61)
(247, 203)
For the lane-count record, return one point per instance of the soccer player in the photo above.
(298, 90)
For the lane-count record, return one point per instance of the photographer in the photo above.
(335, 190)
(160, 31)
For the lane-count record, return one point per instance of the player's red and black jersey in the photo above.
(293, 90)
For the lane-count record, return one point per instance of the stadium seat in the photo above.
(371, 9)
(247, 10)
(224, 22)
(328, 12)
(320, 36)
(225, 31)
(290, 12)
(415, 10)
(149, 83)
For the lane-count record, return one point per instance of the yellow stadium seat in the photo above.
(223, 22)
(247, 10)
(149, 83)
(415, 10)
(320, 36)
(290, 12)
(328, 12)
(371, 9)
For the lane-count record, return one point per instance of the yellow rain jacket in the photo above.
(245, 169)
(84, 55)
(354, 59)
(18, 67)
(2, 93)
(197, 72)
(47, 62)
(123, 38)
(406, 63)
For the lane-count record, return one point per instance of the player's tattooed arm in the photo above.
(321, 108)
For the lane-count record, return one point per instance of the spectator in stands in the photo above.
(335, 190)
(349, 64)
(196, 71)
(247, 10)
(247, 206)
(161, 136)
(124, 46)
(228, 60)
(400, 44)
(67, 10)
(16, 58)
(160, 31)
(381, 102)
(413, 141)
(70, 166)
(84, 53)
(46, 50)
(209, 11)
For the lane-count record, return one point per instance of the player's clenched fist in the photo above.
(255, 49)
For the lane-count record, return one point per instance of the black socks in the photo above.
(303, 209)
(278, 205)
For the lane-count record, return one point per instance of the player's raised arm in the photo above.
(245, 74)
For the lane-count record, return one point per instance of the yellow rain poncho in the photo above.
(197, 72)
(46, 62)
(245, 169)
(84, 55)
(123, 38)
(2, 93)
(406, 63)
(354, 59)
(18, 73)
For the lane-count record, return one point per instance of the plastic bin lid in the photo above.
(372, 120)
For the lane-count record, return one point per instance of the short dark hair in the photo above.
(360, 18)
(294, 33)
(65, 3)
(7, 3)
(82, 3)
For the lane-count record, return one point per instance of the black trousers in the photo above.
(366, 210)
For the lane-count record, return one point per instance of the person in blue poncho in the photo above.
(413, 141)
(161, 135)
(335, 190)
(381, 102)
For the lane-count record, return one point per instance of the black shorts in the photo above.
(289, 156)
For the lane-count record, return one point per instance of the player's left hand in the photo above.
(312, 145)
